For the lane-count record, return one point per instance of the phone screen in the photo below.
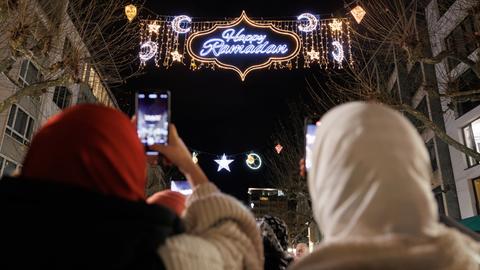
(181, 186)
(153, 117)
(310, 132)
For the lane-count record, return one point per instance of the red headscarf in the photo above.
(89, 146)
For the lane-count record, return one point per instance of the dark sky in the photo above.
(215, 111)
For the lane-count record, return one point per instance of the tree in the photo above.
(32, 30)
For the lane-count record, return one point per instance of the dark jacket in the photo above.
(51, 226)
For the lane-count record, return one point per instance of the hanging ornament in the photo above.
(253, 161)
(147, 50)
(278, 148)
(313, 55)
(223, 163)
(311, 24)
(130, 12)
(336, 25)
(195, 157)
(176, 56)
(154, 28)
(358, 13)
(338, 52)
(177, 24)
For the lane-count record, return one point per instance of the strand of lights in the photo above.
(312, 22)
(338, 52)
(253, 161)
(177, 24)
(223, 163)
(147, 51)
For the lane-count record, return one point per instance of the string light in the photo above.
(358, 13)
(147, 50)
(130, 12)
(176, 56)
(223, 163)
(338, 53)
(177, 24)
(312, 22)
(253, 161)
(336, 25)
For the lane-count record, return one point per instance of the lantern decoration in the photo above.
(130, 12)
(278, 148)
(253, 161)
(358, 13)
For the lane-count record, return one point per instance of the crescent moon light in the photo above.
(147, 50)
(253, 161)
(338, 53)
(311, 25)
(177, 24)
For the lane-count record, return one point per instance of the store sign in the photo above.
(243, 45)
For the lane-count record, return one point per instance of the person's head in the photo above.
(92, 147)
(301, 250)
(370, 174)
(172, 200)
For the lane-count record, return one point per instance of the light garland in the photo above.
(177, 24)
(338, 55)
(223, 163)
(168, 40)
(312, 22)
(253, 161)
(147, 50)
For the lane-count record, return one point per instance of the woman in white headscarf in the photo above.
(371, 197)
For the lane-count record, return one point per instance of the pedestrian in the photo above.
(370, 190)
(275, 243)
(79, 203)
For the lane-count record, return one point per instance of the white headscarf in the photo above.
(370, 175)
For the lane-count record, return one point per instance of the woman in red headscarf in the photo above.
(79, 203)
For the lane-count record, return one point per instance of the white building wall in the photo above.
(439, 29)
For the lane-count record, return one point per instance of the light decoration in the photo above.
(147, 51)
(253, 161)
(278, 148)
(223, 163)
(177, 24)
(195, 157)
(176, 56)
(172, 34)
(311, 25)
(130, 12)
(336, 25)
(154, 28)
(358, 13)
(338, 54)
(313, 55)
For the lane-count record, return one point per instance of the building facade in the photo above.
(19, 123)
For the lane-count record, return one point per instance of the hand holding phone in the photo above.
(310, 132)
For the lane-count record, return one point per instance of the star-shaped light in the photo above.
(223, 163)
(153, 27)
(313, 55)
(176, 56)
(336, 25)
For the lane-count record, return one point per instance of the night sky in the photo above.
(215, 111)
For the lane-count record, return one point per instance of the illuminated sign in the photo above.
(243, 45)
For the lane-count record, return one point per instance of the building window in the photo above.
(471, 136)
(7, 167)
(29, 74)
(62, 97)
(476, 189)
(19, 125)
(462, 41)
(466, 82)
(433, 157)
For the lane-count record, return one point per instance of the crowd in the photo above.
(78, 203)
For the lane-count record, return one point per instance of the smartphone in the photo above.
(181, 186)
(311, 125)
(153, 118)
